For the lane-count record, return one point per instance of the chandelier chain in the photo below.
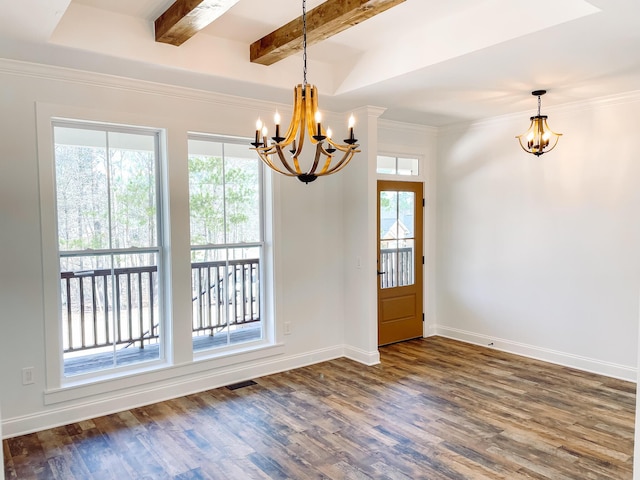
(539, 103)
(304, 41)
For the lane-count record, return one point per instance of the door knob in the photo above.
(381, 273)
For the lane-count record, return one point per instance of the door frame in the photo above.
(420, 247)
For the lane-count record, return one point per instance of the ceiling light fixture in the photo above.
(306, 118)
(539, 138)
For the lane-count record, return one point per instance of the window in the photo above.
(225, 191)
(109, 245)
(397, 238)
(397, 165)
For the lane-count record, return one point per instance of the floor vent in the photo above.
(236, 386)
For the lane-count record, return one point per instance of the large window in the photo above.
(109, 243)
(225, 192)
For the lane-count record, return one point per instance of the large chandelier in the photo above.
(539, 138)
(306, 118)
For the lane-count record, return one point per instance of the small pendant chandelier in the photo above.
(539, 138)
(306, 118)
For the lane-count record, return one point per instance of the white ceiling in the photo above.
(425, 61)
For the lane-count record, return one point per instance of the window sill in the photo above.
(161, 376)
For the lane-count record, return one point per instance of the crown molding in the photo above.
(394, 125)
(102, 80)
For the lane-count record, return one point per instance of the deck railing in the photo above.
(225, 294)
(397, 265)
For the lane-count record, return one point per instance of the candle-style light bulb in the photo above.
(276, 120)
(352, 123)
(318, 117)
(258, 128)
(330, 147)
(264, 135)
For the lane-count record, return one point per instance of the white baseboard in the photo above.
(361, 356)
(608, 369)
(173, 388)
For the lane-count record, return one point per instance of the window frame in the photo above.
(57, 387)
(397, 176)
(266, 336)
(158, 249)
(180, 366)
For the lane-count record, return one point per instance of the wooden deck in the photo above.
(92, 362)
(433, 409)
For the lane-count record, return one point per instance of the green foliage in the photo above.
(224, 201)
(102, 203)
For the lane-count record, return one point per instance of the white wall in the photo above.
(540, 255)
(309, 231)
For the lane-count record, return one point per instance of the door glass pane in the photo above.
(405, 254)
(397, 244)
(388, 215)
(405, 220)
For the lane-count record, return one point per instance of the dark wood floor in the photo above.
(434, 409)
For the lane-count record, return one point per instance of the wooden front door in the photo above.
(400, 261)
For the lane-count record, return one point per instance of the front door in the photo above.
(399, 261)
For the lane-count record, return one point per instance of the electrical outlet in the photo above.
(287, 328)
(27, 376)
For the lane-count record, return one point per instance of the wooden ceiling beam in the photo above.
(185, 18)
(324, 21)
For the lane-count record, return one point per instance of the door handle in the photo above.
(381, 273)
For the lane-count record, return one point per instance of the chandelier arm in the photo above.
(311, 107)
(271, 165)
(346, 158)
(296, 162)
(522, 145)
(327, 163)
(284, 161)
(295, 119)
(316, 160)
(264, 154)
(340, 146)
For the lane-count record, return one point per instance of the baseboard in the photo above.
(592, 365)
(361, 356)
(176, 387)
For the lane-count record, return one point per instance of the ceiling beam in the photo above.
(185, 18)
(327, 19)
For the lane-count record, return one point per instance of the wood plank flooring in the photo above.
(433, 409)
